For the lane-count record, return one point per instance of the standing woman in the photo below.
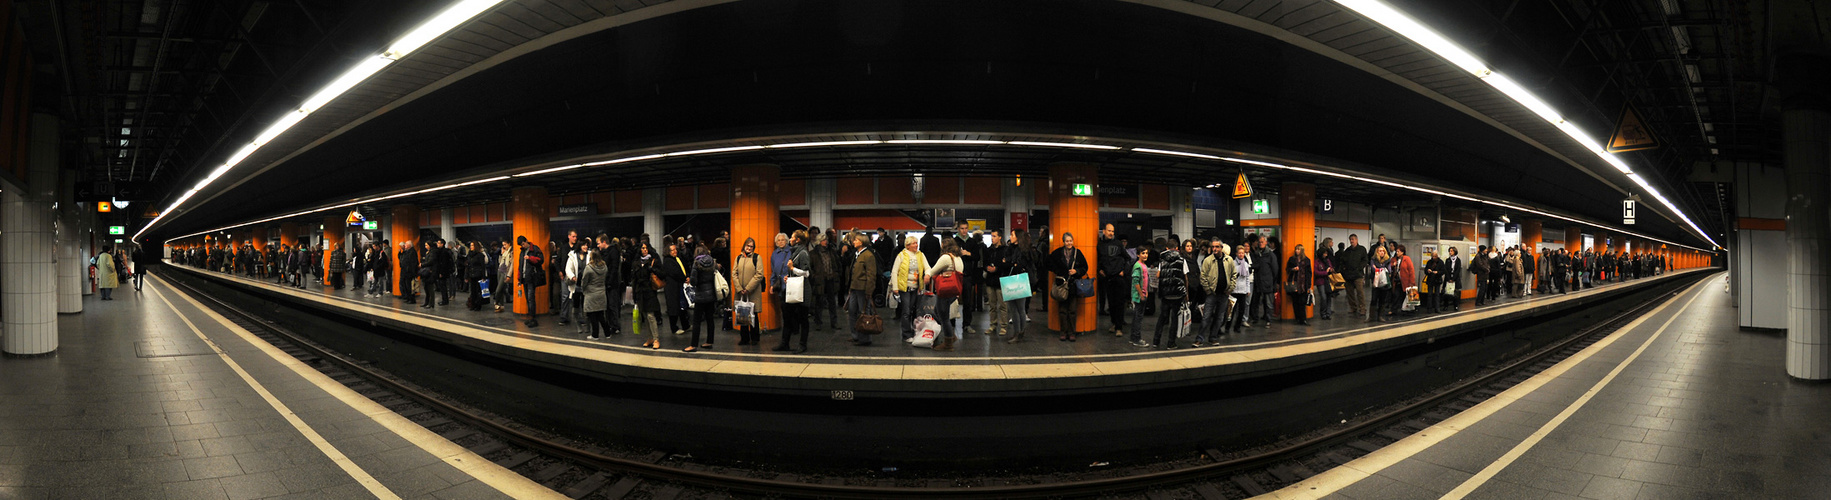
(673, 273)
(594, 279)
(948, 261)
(1383, 282)
(1408, 278)
(1324, 265)
(746, 286)
(1193, 254)
(476, 268)
(795, 316)
(1068, 264)
(642, 272)
(1433, 281)
(1299, 278)
(107, 276)
(1017, 261)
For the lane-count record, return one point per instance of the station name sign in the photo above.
(579, 209)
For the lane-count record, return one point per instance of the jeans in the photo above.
(1241, 302)
(1300, 307)
(527, 292)
(139, 278)
(906, 311)
(1138, 319)
(1065, 311)
(1325, 305)
(858, 302)
(944, 314)
(107, 294)
(568, 305)
(1214, 320)
(1020, 320)
(1262, 309)
(375, 285)
(1169, 313)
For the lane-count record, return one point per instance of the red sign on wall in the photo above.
(1020, 222)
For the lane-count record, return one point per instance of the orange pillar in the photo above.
(529, 206)
(333, 240)
(756, 213)
(1531, 234)
(1297, 218)
(1573, 239)
(1080, 216)
(289, 235)
(258, 237)
(406, 228)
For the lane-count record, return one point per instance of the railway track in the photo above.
(581, 472)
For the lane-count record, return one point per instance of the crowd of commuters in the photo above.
(814, 278)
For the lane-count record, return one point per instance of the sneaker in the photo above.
(1140, 343)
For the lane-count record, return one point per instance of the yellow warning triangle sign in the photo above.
(1242, 188)
(1631, 134)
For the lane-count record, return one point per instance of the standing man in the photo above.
(861, 281)
(1115, 276)
(1480, 267)
(997, 266)
(1265, 282)
(1353, 260)
(532, 275)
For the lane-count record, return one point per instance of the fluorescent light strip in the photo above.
(713, 150)
(1176, 153)
(1410, 28)
(481, 181)
(816, 144)
(1062, 145)
(942, 141)
(551, 170)
(622, 160)
(419, 36)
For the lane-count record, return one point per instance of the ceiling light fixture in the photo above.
(824, 143)
(1176, 153)
(942, 141)
(1062, 145)
(713, 150)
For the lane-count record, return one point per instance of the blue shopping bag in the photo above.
(1015, 287)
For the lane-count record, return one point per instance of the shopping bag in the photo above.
(370, 276)
(890, 300)
(629, 295)
(724, 287)
(686, 292)
(1380, 278)
(1183, 320)
(746, 313)
(635, 321)
(926, 330)
(1336, 282)
(1015, 287)
(483, 288)
(1449, 288)
(925, 304)
(793, 290)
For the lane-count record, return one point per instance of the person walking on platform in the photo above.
(107, 276)
(1113, 278)
(1384, 283)
(1299, 277)
(340, 264)
(143, 263)
(1016, 263)
(704, 282)
(948, 266)
(429, 273)
(1353, 268)
(995, 259)
(1530, 266)
(906, 280)
(1516, 274)
(861, 284)
(409, 264)
(1069, 265)
(1217, 281)
(531, 276)
(747, 286)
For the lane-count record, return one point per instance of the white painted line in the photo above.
(1488, 472)
(503, 480)
(361, 476)
(1333, 480)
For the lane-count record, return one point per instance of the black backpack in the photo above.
(1172, 285)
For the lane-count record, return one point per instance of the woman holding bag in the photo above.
(1299, 277)
(794, 314)
(1324, 265)
(948, 266)
(597, 297)
(1383, 281)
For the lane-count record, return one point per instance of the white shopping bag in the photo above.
(926, 331)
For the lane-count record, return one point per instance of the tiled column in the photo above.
(1807, 131)
(257, 236)
(1182, 211)
(1297, 215)
(1016, 200)
(289, 235)
(405, 224)
(755, 213)
(28, 249)
(1079, 215)
(1573, 239)
(653, 201)
(820, 200)
(448, 230)
(333, 238)
(529, 213)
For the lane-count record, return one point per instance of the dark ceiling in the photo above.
(767, 67)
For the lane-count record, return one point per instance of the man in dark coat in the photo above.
(532, 275)
(1265, 282)
(1115, 278)
(1481, 267)
(1351, 262)
(409, 259)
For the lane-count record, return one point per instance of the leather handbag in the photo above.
(1084, 287)
(1336, 282)
(1060, 290)
(947, 285)
(869, 324)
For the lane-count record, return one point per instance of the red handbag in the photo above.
(948, 285)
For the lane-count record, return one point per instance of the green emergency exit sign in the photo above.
(1083, 189)
(1261, 206)
(117, 229)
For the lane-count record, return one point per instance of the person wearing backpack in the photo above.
(1141, 292)
(947, 278)
(1172, 296)
(704, 280)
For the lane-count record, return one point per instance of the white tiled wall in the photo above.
(70, 268)
(28, 286)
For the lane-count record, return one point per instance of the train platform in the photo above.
(152, 396)
(1680, 404)
(981, 364)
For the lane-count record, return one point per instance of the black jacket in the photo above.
(1352, 263)
(1113, 261)
(1059, 263)
(531, 272)
(410, 263)
(1265, 271)
(476, 266)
